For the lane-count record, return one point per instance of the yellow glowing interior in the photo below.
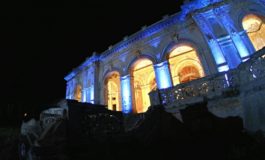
(78, 93)
(184, 65)
(112, 91)
(143, 82)
(255, 28)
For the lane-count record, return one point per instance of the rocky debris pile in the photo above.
(201, 135)
(98, 134)
(53, 146)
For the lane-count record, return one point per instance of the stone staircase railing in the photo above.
(220, 84)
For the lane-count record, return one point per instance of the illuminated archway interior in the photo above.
(78, 93)
(143, 82)
(255, 28)
(184, 64)
(112, 91)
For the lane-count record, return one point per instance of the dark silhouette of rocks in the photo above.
(159, 135)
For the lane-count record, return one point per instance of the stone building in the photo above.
(205, 38)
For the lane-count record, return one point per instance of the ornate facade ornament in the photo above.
(192, 5)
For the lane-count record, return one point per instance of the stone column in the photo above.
(91, 95)
(162, 73)
(72, 85)
(247, 41)
(126, 94)
(95, 85)
(68, 92)
(85, 95)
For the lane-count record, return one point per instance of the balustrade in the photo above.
(220, 84)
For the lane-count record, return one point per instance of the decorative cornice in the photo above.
(87, 62)
(194, 5)
(145, 32)
(189, 6)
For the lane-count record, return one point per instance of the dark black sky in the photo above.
(42, 42)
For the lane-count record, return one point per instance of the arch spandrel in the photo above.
(111, 70)
(249, 8)
(132, 61)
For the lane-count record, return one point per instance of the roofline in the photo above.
(186, 8)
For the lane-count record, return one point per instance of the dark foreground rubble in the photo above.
(158, 135)
(9, 143)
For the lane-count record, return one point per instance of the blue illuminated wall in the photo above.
(126, 94)
(208, 24)
(85, 75)
(70, 90)
(228, 47)
(89, 83)
(163, 78)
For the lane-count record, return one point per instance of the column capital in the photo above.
(161, 64)
(125, 77)
(162, 73)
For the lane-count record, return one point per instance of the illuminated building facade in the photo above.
(205, 38)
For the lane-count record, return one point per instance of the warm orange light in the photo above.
(143, 78)
(78, 93)
(112, 91)
(184, 64)
(255, 28)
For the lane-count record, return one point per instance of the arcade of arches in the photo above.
(255, 28)
(112, 91)
(184, 66)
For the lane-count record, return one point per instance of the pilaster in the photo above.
(227, 22)
(211, 39)
(126, 94)
(162, 74)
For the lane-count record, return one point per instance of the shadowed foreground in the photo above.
(158, 136)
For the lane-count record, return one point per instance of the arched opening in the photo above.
(78, 93)
(188, 73)
(184, 64)
(255, 28)
(112, 91)
(143, 82)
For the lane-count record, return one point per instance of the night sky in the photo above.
(42, 42)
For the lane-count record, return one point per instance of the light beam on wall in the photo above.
(91, 94)
(84, 95)
(241, 47)
(217, 52)
(126, 94)
(223, 68)
(163, 78)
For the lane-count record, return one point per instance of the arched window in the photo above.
(255, 28)
(112, 91)
(188, 73)
(184, 64)
(78, 93)
(143, 82)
